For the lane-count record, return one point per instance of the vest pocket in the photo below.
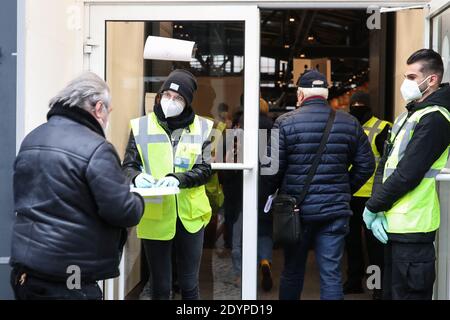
(153, 208)
(198, 202)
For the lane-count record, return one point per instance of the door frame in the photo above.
(97, 16)
(98, 13)
(442, 283)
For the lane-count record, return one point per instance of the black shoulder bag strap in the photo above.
(318, 156)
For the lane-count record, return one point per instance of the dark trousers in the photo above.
(354, 244)
(409, 271)
(232, 207)
(33, 288)
(188, 257)
(327, 239)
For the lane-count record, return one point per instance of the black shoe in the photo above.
(352, 287)
(266, 271)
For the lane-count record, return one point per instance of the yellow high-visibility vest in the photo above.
(158, 159)
(372, 128)
(418, 210)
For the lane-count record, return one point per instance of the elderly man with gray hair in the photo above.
(314, 169)
(72, 201)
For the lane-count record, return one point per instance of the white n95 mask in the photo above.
(171, 108)
(410, 90)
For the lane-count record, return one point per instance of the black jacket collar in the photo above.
(184, 120)
(78, 115)
(441, 97)
(366, 117)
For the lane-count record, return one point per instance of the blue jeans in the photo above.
(236, 251)
(265, 241)
(328, 240)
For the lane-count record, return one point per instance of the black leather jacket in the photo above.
(72, 199)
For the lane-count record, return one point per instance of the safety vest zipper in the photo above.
(173, 155)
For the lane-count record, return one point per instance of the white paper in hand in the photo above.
(156, 192)
(269, 201)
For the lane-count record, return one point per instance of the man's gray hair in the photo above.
(84, 92)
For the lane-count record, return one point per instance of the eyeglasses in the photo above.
(177, 98)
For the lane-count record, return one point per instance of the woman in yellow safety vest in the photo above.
(170, 148)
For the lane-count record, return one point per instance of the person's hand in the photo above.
(368, 217)
(379, 227)
(144, 180)
(167, 182)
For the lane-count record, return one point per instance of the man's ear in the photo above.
(434, 80)
(299, 96)
(98, 109)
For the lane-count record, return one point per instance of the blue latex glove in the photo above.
(144, 180)
(379, 227)
(168, 182)
(368, 217)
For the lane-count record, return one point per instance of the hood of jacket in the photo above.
(440, 97)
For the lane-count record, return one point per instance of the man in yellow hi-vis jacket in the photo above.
(404, 211)
(169, 147)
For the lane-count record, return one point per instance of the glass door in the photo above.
(226, 65)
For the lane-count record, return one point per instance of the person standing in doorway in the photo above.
(403, 212)
(325, 211)
(377, 131)
(265, 225)
(169, 148)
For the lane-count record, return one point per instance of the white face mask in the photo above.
(171, 108)
(410, 90)
(107, 126)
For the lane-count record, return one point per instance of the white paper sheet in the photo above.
(156, 192)
(269, 201)
(160, 48)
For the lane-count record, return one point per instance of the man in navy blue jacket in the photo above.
(346, 164)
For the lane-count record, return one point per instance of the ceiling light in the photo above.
(286, 46)
(310, 38)
(302, 55)
(291, 19)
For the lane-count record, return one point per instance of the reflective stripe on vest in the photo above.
(159, 159)
(372, 128)
(418, 210)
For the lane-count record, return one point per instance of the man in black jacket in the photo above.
(325, 211)
(72, 200)
(404, 212)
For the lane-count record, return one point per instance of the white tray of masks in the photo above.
(156, 192)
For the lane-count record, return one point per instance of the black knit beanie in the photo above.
(182, 82)
(361, 97)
